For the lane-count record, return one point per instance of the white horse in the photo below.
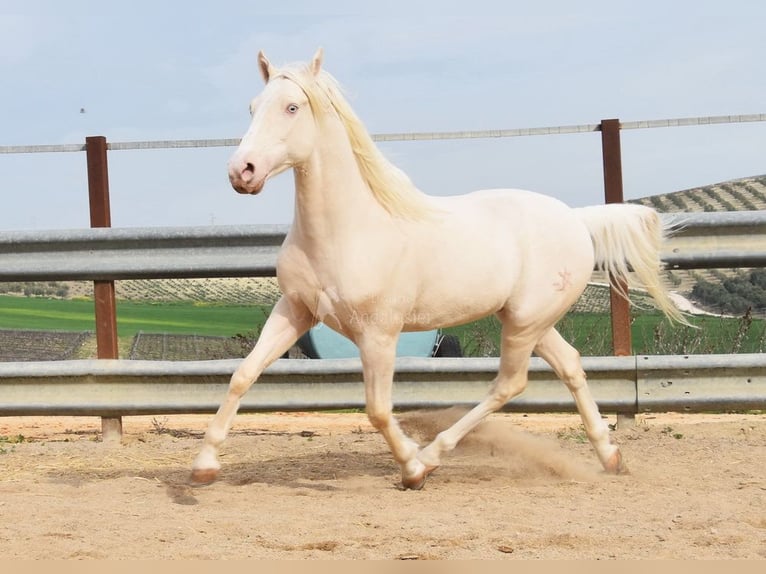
(371, 256)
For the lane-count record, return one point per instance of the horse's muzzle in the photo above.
(243, 178)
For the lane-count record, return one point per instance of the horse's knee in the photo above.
(575, 381)
(240, 382)
(379, 417)
(238, 385)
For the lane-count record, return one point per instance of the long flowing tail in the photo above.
(628, 237)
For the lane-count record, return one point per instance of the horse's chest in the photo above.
(337, 289)
(303, 285)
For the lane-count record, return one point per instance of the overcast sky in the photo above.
(144, 70)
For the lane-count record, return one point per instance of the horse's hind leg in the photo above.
(511, 380)
(565, 360)
(282, 329)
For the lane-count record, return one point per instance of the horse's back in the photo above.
(512, 224)
(498, 249)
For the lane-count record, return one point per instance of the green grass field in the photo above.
(181, 318)
(590, 333)
(652, 334)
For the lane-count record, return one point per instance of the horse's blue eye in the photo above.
(292, 108)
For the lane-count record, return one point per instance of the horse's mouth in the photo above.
(248, 188)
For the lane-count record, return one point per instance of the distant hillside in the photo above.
(236, 291)
(745, 194)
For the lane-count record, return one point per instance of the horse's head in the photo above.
(282, 129)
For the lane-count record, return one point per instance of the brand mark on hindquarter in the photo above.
(564, 282)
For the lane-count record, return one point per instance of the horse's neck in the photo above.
(332, 199)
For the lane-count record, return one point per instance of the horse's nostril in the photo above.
(248, 172)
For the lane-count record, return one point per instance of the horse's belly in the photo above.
(462, 295)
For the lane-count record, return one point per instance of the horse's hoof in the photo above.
(615, 464)
(418, 481)
(203, 476)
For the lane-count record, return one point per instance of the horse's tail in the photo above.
(628, 237)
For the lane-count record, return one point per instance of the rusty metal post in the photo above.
(103, 291)
(622, 344)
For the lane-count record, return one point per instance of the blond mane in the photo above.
(392, 188)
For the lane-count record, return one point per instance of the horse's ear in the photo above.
(316, 61)
(267, 70)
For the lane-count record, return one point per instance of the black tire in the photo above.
(448, 346)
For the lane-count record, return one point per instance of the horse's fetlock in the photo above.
(430, 456)
(206, 459)
(412, 468)
(445, 441)
(215, 436)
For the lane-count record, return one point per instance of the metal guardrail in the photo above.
(716, 240)
(140, 253)
(119, 387)
(703, 240)
(695, 383)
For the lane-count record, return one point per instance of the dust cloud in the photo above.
(525, 456)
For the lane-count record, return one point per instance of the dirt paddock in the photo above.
(324, 486)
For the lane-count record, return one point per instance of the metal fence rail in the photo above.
(408, 136)
(619, 384)
(703, 240)
(140, 253)
(724, 239)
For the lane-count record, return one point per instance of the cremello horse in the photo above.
(371, 256)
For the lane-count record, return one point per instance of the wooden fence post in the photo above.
(103, 291)
(622, 344)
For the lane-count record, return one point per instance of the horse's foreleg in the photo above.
(565, 360)
(378, 358)
(281, 330)
(511, 380)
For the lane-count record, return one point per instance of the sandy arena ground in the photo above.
(324, 486)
